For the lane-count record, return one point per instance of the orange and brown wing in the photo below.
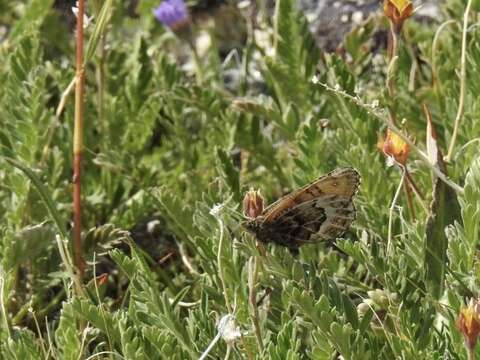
(320, 219)
(342, 182)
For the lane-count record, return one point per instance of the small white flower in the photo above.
(364, 237)
(357, 17)
(152, 226)
(311, 17)
(86, 20)
(243, 4)
(203, 43)
(216, 209)
(358, 89)
(315, 79)
(390, 161)
(228, 330)
(375, 104)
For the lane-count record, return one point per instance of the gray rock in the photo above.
(331, 20)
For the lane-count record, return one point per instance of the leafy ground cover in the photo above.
(180, 119)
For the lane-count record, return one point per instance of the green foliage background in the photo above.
(168, 139)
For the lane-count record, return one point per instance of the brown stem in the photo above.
(78, 146)
(408, 191)
(413, 185)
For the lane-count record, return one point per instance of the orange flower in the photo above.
(394, 146)
(468, 323)
(398, 11)
(252, 204)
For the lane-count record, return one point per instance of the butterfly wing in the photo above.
(342, 182)
(322, 210)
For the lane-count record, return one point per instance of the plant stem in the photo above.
(53, 303)
(463, 75)
(408, 192)
(252, 298)
(186, 261)
(101, 85)
(229, 350)
(416, 190)
(390, 83)
(220, 267)
(78, 146)
(390, 218)
(435, 78)
(197, 61)
(470, 353)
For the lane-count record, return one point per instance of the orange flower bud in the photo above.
(468, 323)
(394, 146)
(102, 279)
(252, 204)
(398, 11)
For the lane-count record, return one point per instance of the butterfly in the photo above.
(320, 211)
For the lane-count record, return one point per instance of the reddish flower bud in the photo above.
(398, 11)
(394, 146)
(253, 204)
(468, 323)
(102, 279)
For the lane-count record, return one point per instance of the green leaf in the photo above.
(179, 215)
(22, 345)
(100, 317)
(44, 194)
(230, 173)
(341, 338)
(125, 263)
(35, 13)
(98, 30)
(295, 59)
(444, 211)
(31, 241)
(66, 336)
(350, 311)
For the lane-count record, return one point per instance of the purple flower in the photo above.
(172, 13)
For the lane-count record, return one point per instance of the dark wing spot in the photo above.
(296, 225)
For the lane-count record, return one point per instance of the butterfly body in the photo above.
(321, 210)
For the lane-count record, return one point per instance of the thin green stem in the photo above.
(197, 61)
(229, 351)
(435, 78)
(470, 353)
(54, 302)
(463, 76)
(390, 218)
(99, 299)
(220, 265)
(253, 268)
(408, 192)
(101, 86)
(390, 82)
